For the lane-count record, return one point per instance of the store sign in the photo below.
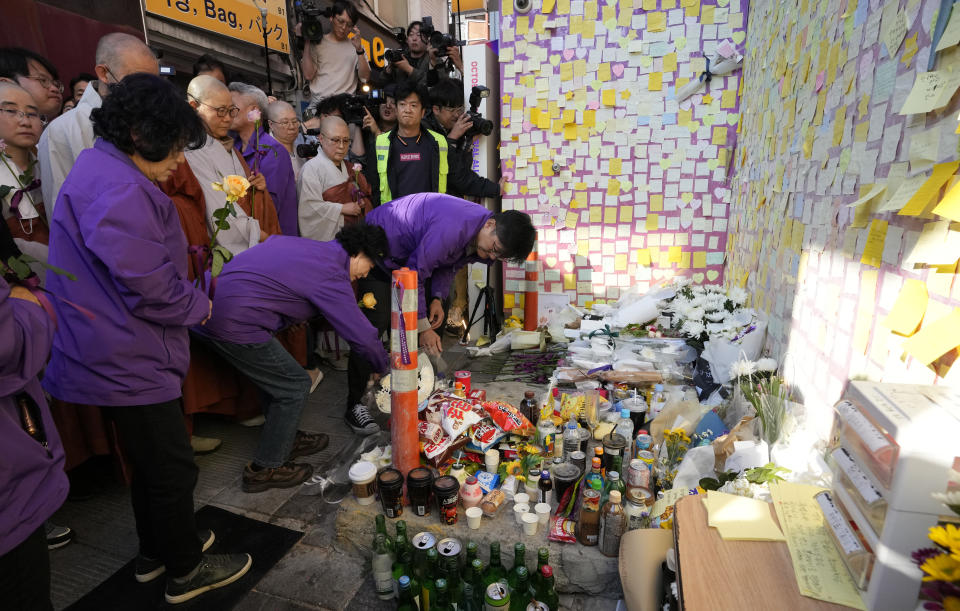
(238, 19)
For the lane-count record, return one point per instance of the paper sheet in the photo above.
(930, 91)
(909, 308)
(670, 497)
(951, 35)
(819, 568)
(949, 206)
(941, 174)
(935, 339)
(738, 517)
(873, 252)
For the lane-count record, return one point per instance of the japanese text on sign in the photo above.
(234, 18)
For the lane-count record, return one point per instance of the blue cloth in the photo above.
(122, 238)
(32, 481)
(430, 233)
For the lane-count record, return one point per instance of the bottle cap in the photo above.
(471, 480)
(598, 451)
(404, 581)
(595, 463)
(441, 584)
(546, 571)
(529, 394)
(624, 413)
(545, 475)
(643, 432)
(571, 426)
(613, 475)
(615, 496)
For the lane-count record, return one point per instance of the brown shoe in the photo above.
(288, 475)
(306, 444)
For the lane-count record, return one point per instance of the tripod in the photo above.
(492, 317)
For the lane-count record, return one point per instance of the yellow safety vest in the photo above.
(383, 152)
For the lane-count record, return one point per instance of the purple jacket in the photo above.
(285, 281)
(32, 482)
(122, 238)
(430, 232)
(277, 170)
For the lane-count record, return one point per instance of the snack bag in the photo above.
(508, 418)
(562, 529)
(484, 435)
(429, 432)
(458, 416)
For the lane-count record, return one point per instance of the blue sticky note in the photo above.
(642, 120)
(670, 118)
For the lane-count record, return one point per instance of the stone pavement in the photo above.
(323, 571)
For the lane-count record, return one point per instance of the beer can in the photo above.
(449, 547)
(424, 541)
(497, 596)
(638, 474)
(646, 457)
(461, 379)
(537, 605)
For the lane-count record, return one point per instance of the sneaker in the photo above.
(204, 445)
(58, 536)
(358, 419)
(147, 569)
(214, 571)
(285, 476)
(306, 444)
(314, 381)
(252, 422)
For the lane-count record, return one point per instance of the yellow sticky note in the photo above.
(941, 174)
(670, 62)
(699, 259)
(620, 263)
(508, 300)
(656, 202)
(616, 166)
(656, 81)
(653, 222)
(935, 339)
(596, 214)
(649, 5)
(571, 221)
(643, 257)
(706, 15)
(674, 254)
(548, 6)
(569, 282)
(839, 121)
(563, 7)
(656, 22)
(738, 517)
(873, 251)
(613, 187)
(626, 214)
(909, 308)
(566, 71)
(949, 206)
(609, 97)
(684, 262)
(719, 136)
(610, 215)
(728, 99)
(603, 72)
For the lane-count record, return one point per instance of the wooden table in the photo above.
(732, 575)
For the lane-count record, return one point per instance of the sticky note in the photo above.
(569, 282)
(643, 257)
(935, 339)
(653, 222)
(620, 263)
(613, 187)
(719, 136)
(508, 300)
(656, 22)
(699, 259)
(603, 72)
(728, 99)
(738, 517)
(608, 97)
(674, 254)
(566, 71)
(656, 81)
(596, 214)
(909, 308)
(949, 206)
(670, 62)
(918, 203)
(656, 202)
(930, 91)
(873, 251)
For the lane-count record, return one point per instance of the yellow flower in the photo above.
(947, 537)
(951, 603)
(234, 186)
(368, 301)
(941, 568)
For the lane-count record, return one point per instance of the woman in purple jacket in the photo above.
(121, 236)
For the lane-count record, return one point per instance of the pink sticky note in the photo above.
(782, 78)
(726, 49)
(527, 126)
(821, 76)
(593, 105)
(568, 54)
(617, 70)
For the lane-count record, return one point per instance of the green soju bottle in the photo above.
(519, 562)
(428, 581)
(520, 596)
(442, 598)
(405, 598)
(495, 570)
(468, 600)
(543, 559)
(382, 529)
(472, 553)
(547, 591)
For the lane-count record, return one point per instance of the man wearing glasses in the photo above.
(36, 75)
(435, 235)
(321, 213)
(338, 63)
(117, 56)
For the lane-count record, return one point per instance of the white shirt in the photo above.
(62, 142)
(209, 164)
(319, 219)
(336, 63)
(29, 216)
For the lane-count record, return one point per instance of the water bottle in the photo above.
(624, 427)
(571, 439)
(657, 401)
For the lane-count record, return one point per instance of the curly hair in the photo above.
(370, 240)
(516, 233)
(147, 115)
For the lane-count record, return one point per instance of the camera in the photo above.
(311, 26)
(522, 6)
(393, 55)
(353, 106)
(480, 126)
(308, 150)
(438, 40)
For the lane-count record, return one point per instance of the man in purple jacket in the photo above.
(121, 237)
(436, 235)
(33, 484)
(281, 282)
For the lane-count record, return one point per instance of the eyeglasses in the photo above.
(46, 82)
(222, 111)
(17, 114)
(289, 123)
(338, 141)
(497, 250)
(343, 22)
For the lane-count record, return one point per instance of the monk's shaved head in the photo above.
(124, 54)
(9, 88)
(280, 110)
(205, 86)
(331, 124)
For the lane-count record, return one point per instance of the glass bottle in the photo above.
(473, 550)
(381, 528)
(588, 526)
(545, 492)
(520, 595)
(593, 476)
(519, 562)
(382, 574)
(428, 581)
(547, 591)
(657, 401)
(468, 599)
(494, 571)
(403, 561)
(476, 580)
(442, 599)
(405, 599)
(529, 408)
(450, 571)
(613, 483)
(543, 559)
(624, 427)
(571, 438)
(613, 523)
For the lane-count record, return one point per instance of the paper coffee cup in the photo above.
(521, 498)
(530, 523)
(520, 510)
(542, 511)
(474, 515)
(363, 476)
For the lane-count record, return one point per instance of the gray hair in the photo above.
(254, 93)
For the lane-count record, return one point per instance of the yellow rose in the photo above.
(234, 186)
(368, 301)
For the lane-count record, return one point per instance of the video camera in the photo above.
(393, 55)
(438, 40)
(309, 15)
(480, 126)
(353, 106)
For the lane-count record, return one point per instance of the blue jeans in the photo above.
(284, 381)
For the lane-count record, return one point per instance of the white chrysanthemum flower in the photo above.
(737, 295)
(742, 368)
(950, 499)
(739, 486)
(716, 316)
(767, 364)
(693, 328)
(694, 314)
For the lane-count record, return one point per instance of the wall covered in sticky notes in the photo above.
(842, 224)
(625, 185)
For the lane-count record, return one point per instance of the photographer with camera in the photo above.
(333, 62)
(421, 61)
(449, 118)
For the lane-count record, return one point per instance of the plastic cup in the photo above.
(530, 523)
(520, 510)
(363, 476)
(521, 498)
(474, 515)
(491, 460)
(542, 511)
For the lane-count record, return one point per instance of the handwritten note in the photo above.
(951, 35)
(819, 568)
(894, 27)
(738, 517)
(909, 308)
(931, 90)
(873, 252)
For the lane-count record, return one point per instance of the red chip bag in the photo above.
(458, 416)
(508, 418)
(562, 529)
(429, 432)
